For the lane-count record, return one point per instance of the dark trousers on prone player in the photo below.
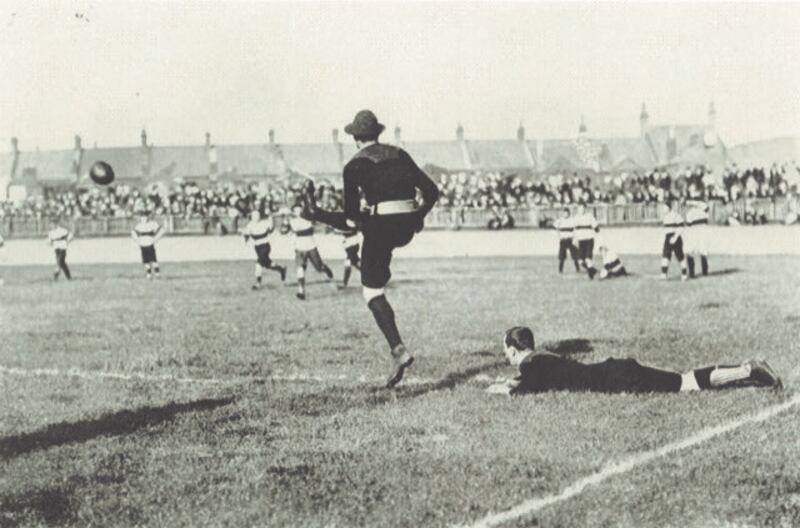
(382, 235)
(565, 246)
(150, 261)
(61, 265)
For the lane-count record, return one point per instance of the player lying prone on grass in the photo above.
(545, 371)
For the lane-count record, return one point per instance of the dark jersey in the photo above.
(385, 173)
(549, 372)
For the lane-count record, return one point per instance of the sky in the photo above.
(107, 69)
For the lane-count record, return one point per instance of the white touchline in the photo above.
(627, 464)
(300, 376)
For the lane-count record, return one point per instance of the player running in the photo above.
(566, 229)
(585, 228)
(146, 233)
(612, 264)
(696, 235)
(545, 371)
(258, 230)
(59, 238)
(305, 250)
(673, 242)
(351, 242)
(389, 179)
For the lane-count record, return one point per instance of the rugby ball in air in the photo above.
(101, 173)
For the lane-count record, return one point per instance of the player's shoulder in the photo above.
(377, 153)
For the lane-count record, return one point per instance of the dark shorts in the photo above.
(301, 258)
(382, 235)
(676, 248)
(565, 245)
(262, 255)
(627, 375)
(586, 249)
(148, 254)
(352, 254)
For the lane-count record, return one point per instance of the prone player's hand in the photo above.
(499, 388)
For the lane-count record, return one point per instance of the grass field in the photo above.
(290, 429)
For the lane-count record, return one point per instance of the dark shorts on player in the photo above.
(148, 254)
(302, 258)
(382, 235)
(352, 254)
(262, 255)
(565, 245)
(673, 248)
(628, 375)
(586, 249)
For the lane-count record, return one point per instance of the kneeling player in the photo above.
(673, 242)
(545, 371)
(146, 233)
(259, 229)
(351, 242)
(612, 264)
(389, 180)
(305, 250)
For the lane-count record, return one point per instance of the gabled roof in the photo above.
(47, 165)
(247, 160)
(498, 154)
(167, 163)
(312, 158)
(127, 162)
(685, 136)
(634, 152)
(446, 154)
(559, 155)
(765, 153)
(6, 164)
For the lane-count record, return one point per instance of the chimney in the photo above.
(521, 132)
(78, 142)
(644, 121)
(271, 137)
(14, 146)
(712, 116)
(143, 136)
(335, 136)
(14, 157)
(77, 155)
(582, 128)
(208, 140)
(460, 132)
(465, 153)
(398, 135)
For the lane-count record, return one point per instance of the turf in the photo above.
(257, 448)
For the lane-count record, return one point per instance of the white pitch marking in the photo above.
(627, 464)
(99, 374)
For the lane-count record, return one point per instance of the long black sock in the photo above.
(560, 265)
(690, 264)
(704, 264)
(577, 266)
(384, 316)
(346, 278)
(703, 377)
(336, 220)
(327, 271)
(66, 270)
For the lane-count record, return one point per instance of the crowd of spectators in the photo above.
(460, 191)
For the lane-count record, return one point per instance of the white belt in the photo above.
(393, 207)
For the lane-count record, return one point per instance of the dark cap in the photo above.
(364, 124)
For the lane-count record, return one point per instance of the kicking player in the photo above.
(545, 371)
(389, 180)
(59, 238)
(305, 250)
(673, 242)
(697, 235)
(259, 229)
(612, 264)
(351, 242)
(585, 228)
(566, 229)
(146, 233)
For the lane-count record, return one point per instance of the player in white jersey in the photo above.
(696, 235)
(305, 250)
(146, 233)
(351, 242)
(258, 230)
(612, 264)
(673, 241)
(565, 226)
(585, 228)
(59, 238)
